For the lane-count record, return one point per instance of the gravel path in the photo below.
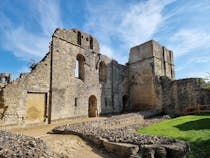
(70, 146)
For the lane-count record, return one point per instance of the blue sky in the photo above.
(181, 25)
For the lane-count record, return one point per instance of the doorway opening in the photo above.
(92, 107)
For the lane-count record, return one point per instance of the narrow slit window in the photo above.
(91, 42)
(75, 102)
(79, 38)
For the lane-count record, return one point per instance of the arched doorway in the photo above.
(125, 103)
(92, 107)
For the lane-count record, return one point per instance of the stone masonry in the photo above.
(74, 80)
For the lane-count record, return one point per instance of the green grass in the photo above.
(192, 128)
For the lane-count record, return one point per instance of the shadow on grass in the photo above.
(195, 125)
(200, 149)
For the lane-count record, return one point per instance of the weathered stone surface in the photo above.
(124, 150)
(146, 61)
(74, 72)
(160, 152)
(177, 149)
(5, 78)
(184, 93)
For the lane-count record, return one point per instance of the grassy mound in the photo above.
(192, 128)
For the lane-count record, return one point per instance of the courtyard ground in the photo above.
(193, 128)
(114, 131)
(70, 146)
(74, 146)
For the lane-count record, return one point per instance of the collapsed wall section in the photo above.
(15, 94)
(184, 93)
(101, 77)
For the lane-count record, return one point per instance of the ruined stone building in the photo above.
(74, 79)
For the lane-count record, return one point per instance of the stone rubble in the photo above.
(101, 135)
(15, 145)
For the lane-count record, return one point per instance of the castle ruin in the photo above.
(75, 79)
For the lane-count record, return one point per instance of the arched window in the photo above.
(102, 71)
(80, 67)
(91, 42)
(79, 38)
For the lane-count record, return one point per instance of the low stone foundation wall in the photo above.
(119, 137)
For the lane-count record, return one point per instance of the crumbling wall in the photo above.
(120, 87)
(15, 93)
(181, 94)
(146, 62)
(141, 77)
(70, 94)
(67, 94)
(146, 82)
(106, 86)
(114, 87)
(5, 78)
(163, 61)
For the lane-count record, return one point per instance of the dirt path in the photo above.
(67, 145)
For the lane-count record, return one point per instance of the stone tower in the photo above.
(147, 62)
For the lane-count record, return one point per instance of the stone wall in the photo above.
(15, 93)
(115, 87)
(67, 94)
(184, 93)
(70, 94)
(68, 89)
(147, 61)
(163, 61)
(5, 78)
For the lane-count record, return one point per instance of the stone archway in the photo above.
(92, 106)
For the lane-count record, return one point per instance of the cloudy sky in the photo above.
(181, 25)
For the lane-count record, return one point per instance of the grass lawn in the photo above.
(192, 128)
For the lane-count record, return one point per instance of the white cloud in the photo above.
(187, 40)
(106, 50)
(130, 25)
(196, 74)
(200, 59)
(25, 44)
(49, 15)
(142, 20)
(31, 45)
(192, 61)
